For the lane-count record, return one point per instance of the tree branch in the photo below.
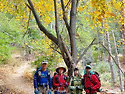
(72, 30)
(64, 16)
(67, 53)
(56, 22)
(28, 6)
(55, 50)
(77, 3)
(41, 27)
(86, 50)
(112, 57)
(68, 3)
(27, 25)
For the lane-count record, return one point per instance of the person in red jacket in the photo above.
(90, 84)
(60, 81)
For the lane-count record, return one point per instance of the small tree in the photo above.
(69, 54)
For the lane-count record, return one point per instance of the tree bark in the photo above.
(110, 59)
(72, 30)
(98, 44)
(124, 80)
(103, 41)
(41, 27)
(117, 60)
(64, 50)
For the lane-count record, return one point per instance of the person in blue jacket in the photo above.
(42, 80)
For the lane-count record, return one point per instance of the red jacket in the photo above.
(61, 81)
(95, 85)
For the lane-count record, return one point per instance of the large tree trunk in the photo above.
(72, 30)
(117, 60)
(110, 59)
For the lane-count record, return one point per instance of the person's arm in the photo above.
(96, 82)
(50, 83)
(35, 79)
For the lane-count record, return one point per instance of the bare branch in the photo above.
(112, 57)
(64, 16)
(77, 3)
(27, 25)
(68, 3)
(72, 30)
(67, 52)
(86, 50)
(55, 50)
(41, 27)
(56, 22)
(28, 6)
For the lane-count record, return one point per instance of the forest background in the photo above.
(70, 32)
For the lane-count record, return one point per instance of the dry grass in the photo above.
(28, 76)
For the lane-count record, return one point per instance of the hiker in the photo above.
(42, 80)
(60, 81)
(91, 83)
(75, 84)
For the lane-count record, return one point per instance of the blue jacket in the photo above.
(41, 77)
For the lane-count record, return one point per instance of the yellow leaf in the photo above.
(101, 32)
(80, 9)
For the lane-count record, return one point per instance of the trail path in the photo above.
(12, 77)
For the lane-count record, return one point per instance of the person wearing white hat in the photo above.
(42, 79)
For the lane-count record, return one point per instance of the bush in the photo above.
(103, 68)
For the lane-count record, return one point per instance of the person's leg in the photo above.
(56, 92)
(40, 89)
(45, 90)
(63, 93)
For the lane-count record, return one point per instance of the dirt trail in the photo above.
(17, 80)
(12, 79)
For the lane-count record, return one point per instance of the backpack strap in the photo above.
(48, 75)
(57, 78)
(91, 78)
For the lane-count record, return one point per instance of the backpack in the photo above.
(52, 81)
(72, 82)
(97, 76)
(57, 79)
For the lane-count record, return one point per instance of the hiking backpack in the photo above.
(97, 76)
(57, 79)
